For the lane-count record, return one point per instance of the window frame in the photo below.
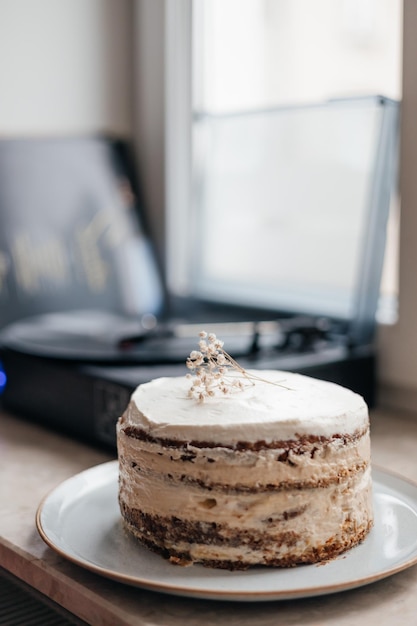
(396, 343)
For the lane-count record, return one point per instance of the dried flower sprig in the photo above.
(211, 366)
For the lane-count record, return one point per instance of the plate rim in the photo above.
(219, 594)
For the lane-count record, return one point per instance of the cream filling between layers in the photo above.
(337, 514)
(297, 510)
(221, 466)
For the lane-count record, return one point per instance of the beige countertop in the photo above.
(33, 461)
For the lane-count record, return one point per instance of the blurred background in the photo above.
(150, 73)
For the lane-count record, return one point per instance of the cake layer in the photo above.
(245, 509)
(144, 465)
(279, 528)
(243, 556)
(286, 407)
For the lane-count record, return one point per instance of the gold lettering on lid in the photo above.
(35, 262)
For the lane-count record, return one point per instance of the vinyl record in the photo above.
(97, 336)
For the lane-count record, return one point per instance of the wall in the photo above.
(398, 343)
(149, 106)
(65, 66)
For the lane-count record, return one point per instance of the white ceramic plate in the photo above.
(80, 520)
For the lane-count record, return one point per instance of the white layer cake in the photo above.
(276, 474)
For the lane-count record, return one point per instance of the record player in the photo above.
(75, 371)
(72, 368)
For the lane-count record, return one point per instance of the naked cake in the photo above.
(237, 468)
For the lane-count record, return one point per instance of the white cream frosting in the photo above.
(293, 405)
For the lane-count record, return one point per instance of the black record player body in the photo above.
(74, 372)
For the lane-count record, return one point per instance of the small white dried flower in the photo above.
(211, 365)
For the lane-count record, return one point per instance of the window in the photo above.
(256, 63)
(263, 53)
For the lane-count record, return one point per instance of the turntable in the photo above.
(75, 371)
